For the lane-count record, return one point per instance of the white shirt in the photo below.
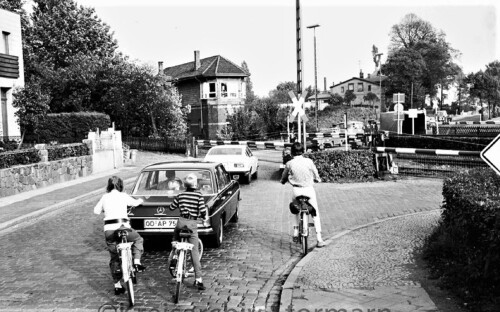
(114, 206)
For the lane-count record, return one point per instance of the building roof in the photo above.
(214, 66)
(373, 80)
(321, 96)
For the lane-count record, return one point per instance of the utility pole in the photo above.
(315, 76)
(300, 73)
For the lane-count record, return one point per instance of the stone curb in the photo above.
(33, 215)
(289, 285)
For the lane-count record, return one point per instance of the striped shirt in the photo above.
(190, 203)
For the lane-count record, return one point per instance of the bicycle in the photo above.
(180, 271)
(129, 276)
(304, 211)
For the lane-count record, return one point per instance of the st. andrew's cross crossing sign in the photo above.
(297, 107)
(491, 154)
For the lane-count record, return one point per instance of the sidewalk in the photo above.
(25, 206)
(363, 269)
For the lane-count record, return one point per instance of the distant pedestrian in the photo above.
(114, 206)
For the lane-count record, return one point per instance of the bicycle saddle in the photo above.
(302, 198)
(124, 228)
(185, 233)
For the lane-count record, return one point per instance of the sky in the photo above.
(263, 33)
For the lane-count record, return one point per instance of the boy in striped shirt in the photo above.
(192, 207)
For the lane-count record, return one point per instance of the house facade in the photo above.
(323, 100)
(212, 88)
(11, 72)
(361, 87)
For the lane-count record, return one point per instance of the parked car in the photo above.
(159, 183)
(238, 160)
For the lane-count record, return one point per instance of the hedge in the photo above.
(439, 142)
(20, 157)
(464, 251)
(342, 166)
(70, 127)
(67, 150)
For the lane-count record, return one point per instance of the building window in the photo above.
(223, 89)
(341, 89)
(350, 86)
(369, 88)
(360, 87)
(212, 92)
(5, 41)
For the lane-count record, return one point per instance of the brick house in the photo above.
(212, 87)
(11, 71)
(361, 87)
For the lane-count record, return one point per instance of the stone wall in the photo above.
(20, 179)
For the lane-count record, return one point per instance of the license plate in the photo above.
(160, 223)
(235, 176)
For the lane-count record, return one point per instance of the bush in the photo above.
(341, 166)
(70, 127)
(8, 146)
(465, 249)
(20, 157)
(430, 142)
(67, 150)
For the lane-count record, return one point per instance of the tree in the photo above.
(418, 37)
(250, 95)
(349, 96)
(405, 69)
(336, 99)
(371, 97)
(32, 105)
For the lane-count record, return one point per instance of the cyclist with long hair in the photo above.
(114, 206)
(302, 173)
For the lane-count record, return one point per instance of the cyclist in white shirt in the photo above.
(114, 206)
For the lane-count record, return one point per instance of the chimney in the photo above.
(160, 67)
(324, 86)
(361, 74)
(369, 76)
(197, 62)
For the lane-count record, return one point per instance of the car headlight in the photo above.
(239, 165)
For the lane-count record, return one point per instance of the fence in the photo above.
(157, 145)
(485, 130)
(432, 163)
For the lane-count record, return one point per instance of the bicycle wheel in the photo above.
(181, 265)
(304, 233)
(173, 269)
(130, 291)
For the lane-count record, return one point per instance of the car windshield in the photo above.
(170, 182)
(225, 151)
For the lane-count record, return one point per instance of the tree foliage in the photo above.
(419, 54)
(250, 95)
(349, 96)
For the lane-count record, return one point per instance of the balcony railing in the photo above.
(9, 66)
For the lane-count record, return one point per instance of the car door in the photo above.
(232, 192)
(223, 191)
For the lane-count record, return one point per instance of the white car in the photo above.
(238, 161)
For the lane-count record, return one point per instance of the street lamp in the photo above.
(315, 75)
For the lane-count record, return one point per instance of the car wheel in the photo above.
(219, 234)
(255, 175)
(236, 215)
(248, 178)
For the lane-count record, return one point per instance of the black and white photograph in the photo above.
(249, 156)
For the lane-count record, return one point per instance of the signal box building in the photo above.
(211, 88)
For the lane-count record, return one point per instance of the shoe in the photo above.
(119, 291)
(199, 285)
(139, 268)
(295, 239)
(320, 244)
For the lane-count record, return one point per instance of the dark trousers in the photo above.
(112, 241)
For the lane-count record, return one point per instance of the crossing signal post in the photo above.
(399, 99)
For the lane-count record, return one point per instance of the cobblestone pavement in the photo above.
(59, 263)
(368, 269)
